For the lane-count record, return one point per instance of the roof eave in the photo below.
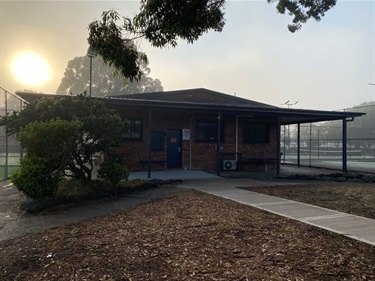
(288, 116)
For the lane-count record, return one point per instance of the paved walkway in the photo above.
(355, 227)
(13, 225)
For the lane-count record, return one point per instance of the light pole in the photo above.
(91, 53)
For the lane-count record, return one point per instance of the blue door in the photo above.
(174, 149)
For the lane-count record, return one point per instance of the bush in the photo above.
(34, 180)
(69, 188)
(113, 172)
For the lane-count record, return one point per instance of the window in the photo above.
(256, 133)
(157, 141)
(207, 132)
(134, 130)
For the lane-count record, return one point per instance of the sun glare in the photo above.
(30, 69)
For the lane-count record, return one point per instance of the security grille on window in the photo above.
(207, 132)
(134, 130)
(256, 133)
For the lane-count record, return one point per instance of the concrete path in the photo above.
(13, 225)
(355, 227)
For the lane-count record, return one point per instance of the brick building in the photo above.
(185, 126)
(180, 129)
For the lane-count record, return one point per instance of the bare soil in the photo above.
(187, 236)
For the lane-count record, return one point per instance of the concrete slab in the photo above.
(347, 224)
(359, 228)
(296, 210)
(250, 198)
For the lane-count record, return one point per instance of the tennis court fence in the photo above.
(323, 142)
(10, 150)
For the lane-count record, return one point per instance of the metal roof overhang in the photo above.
(287, 116)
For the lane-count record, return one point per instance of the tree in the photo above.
(163, 22)
(93, 128)
(105, 82)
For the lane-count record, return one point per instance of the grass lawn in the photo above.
(187, 236)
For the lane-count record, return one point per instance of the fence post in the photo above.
(278, 141)
(298, 145)
(318, 143)
(310, 144)
(6, 171)
(344, 142)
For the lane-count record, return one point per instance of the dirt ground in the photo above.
(187, 236)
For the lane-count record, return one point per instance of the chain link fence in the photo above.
(10, 150)
(321, 144)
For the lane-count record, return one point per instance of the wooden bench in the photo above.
(266, 162)
(145, 162)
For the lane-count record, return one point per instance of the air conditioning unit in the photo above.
(229, 165)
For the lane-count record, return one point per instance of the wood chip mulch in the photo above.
(187, 236)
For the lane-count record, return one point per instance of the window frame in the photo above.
(130, 136)
(212, 126)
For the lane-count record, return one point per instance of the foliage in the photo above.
(105, 82)
(106, 38)
(113, 169)
(97, 129)
(61, 135)
(303, 10)
(44, 165)
(35, 178)
(163, 22)
(113, 172)
(71, 188)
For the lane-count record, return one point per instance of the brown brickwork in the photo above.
(194, 155)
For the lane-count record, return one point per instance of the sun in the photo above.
(30, 69)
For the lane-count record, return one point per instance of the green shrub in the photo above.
(76, 187)
(72, 187)
(33, 178)
(113, 172)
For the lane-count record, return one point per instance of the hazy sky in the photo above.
(326, 65)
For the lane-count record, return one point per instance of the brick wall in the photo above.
(194, 155)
